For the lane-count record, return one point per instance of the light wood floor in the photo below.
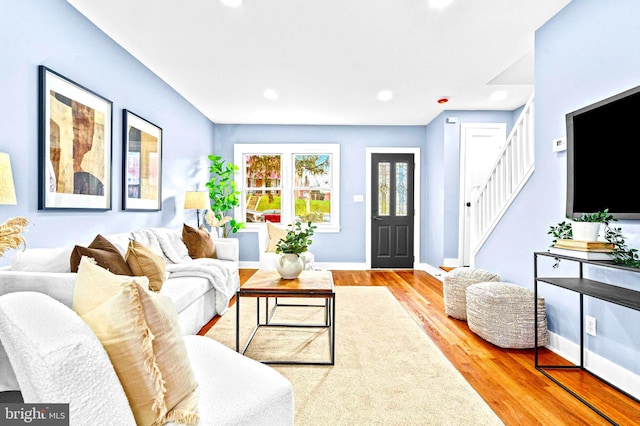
(505, 378)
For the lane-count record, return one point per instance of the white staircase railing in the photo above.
(514, 166)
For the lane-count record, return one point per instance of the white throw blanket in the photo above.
(168, 243)
(212, 270)
(164, 241)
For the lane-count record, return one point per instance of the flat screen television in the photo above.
(603, 167)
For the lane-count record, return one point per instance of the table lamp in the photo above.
(197, 200)
(10, 230)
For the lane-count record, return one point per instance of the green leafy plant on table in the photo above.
(297, 240)
(223, 194)
(621, 253)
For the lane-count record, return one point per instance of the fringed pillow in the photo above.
(139, 330)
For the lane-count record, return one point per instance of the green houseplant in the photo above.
(294, 243)
(297, 239)
(223, 194)
(621, 253)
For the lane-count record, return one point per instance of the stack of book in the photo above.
(590, 250)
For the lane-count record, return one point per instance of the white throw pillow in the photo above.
(42, 260)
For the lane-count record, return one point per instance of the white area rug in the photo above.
(387, 370)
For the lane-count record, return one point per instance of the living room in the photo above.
(587, 52)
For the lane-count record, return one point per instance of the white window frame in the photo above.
(287, 153)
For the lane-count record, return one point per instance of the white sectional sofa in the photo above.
(199, 288)
(60, 360)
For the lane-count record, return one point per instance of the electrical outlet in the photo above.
(590, 325)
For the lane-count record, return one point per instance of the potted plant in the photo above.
(621, 253)
(224, 196)
(295, 242)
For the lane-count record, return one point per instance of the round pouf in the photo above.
(502, 313)
(455, 286)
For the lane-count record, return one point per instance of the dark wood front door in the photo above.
(392, 213)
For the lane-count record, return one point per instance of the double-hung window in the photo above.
(286, 183)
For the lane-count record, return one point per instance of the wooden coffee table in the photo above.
(269, 284)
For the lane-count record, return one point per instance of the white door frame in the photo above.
(465, 221)
(416, 199)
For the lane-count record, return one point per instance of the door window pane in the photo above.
(384, 182)
(401, 189)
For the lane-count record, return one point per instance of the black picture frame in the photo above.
(141, 164)
(75, 145)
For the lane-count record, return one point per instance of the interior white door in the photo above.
(481, 144)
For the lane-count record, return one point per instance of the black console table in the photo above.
(584, 287)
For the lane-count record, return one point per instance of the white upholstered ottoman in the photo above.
(503, 314)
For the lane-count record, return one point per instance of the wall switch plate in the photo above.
(590, 325)
(559, 144)
(358, 198)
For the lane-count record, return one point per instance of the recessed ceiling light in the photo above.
(439, 4)
(231, 3)
(385, 95)
(271, 94)
(498, 95)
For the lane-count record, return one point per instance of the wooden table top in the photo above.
(270, 282)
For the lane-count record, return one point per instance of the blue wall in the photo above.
(588, 52)
(54, 34)
(347, 246)
(444, 141)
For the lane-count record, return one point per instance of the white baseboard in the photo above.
(344, 266)
(432, 270)
(452, 262)
(338, 266)
(611, 372)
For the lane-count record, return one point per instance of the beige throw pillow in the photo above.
(199, 242)
(139, 330)
(275, 234)
(144, 262)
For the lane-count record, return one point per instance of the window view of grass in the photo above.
(320, 210)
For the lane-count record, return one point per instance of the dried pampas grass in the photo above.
(10, 231)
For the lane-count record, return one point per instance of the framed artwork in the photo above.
(75, 146)
(142, 163)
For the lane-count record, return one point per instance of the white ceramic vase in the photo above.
(585, 231)
(289, 265)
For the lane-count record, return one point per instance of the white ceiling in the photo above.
(328, 59)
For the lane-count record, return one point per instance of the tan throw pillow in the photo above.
(275, 234)
(144, 262)
(105, 254)
(139, 330)
(199, 243)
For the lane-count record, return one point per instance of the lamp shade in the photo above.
(196, 200)
(7, 189)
